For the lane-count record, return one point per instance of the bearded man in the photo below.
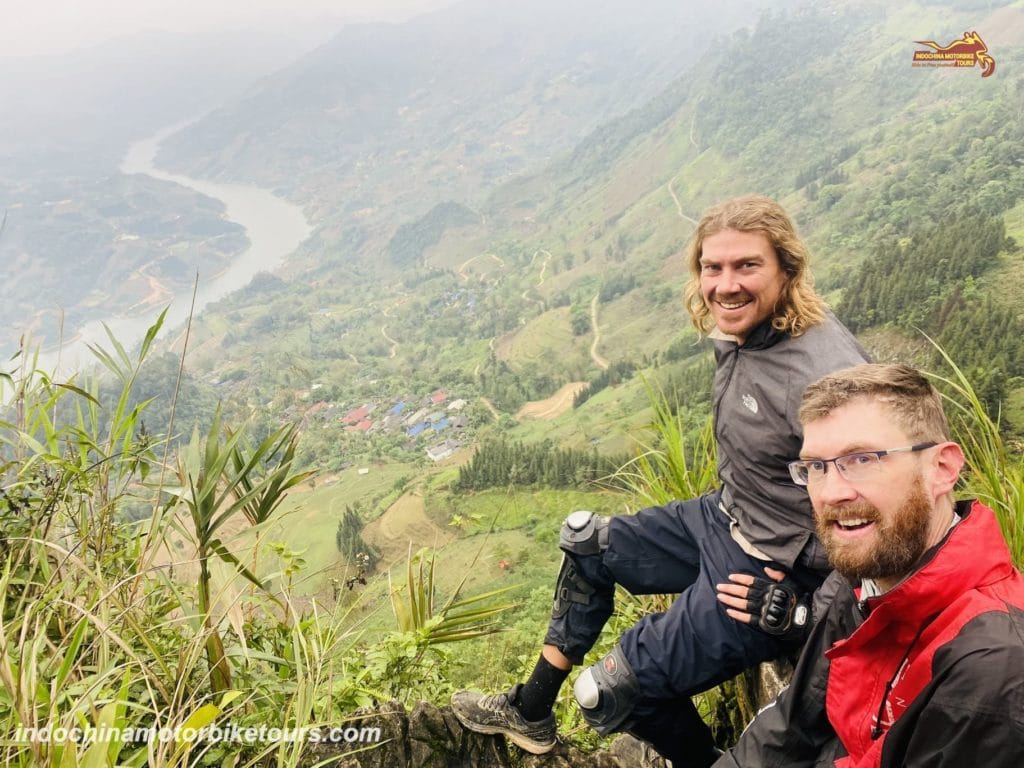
(919, 657)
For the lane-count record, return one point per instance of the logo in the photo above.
(751, 403)
(609, 664)
(965, 52)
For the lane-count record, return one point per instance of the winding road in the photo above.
(394, 344)
(462, 269)
(601, 362)
(679, 206)
(542, 277)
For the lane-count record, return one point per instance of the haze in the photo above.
(59, 26)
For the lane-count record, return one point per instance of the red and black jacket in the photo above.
(929, 674)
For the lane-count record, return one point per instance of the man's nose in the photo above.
(729, 282)
(832, 488)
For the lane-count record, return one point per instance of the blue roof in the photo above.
(441, 424)
(397, 408)
(413, 431)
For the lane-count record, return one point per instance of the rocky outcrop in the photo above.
(431, 737)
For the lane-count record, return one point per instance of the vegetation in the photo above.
(906, 286)
(995, 471)
(615, 374)
(499, 463)
(350, 543)
(220, 481)
(97, 628)
(411, 240)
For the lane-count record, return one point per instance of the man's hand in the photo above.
(775, 607)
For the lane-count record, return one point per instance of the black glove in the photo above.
(778, 608)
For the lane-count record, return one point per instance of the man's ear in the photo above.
(946, 466)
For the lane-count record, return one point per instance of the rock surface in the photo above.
(431, 737)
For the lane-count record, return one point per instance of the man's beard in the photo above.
(896, 546)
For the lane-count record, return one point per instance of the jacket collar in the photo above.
(762, 337)
(972, 554)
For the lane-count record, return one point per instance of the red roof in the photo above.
(439, 397)
(355, 415)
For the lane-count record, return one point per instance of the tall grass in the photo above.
(96, 629)
(995, 474)
(676, 459)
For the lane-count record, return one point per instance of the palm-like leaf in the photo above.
(459, 618)
(219, 478)
(669, 464)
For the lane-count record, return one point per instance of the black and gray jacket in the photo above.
(758, 386)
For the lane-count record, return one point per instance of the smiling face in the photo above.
(879, 526)
(741, 280)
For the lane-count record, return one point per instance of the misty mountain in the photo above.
(387, 120)
(99, 98)
(80, 234)
(401, 117)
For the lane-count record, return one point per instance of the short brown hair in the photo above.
(799, 306)
(907, 395)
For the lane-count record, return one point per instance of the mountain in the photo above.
(819, 106)
(507, 251)
(390, 120)
(372, 129)
(81, 239)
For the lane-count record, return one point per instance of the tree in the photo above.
(349, 540)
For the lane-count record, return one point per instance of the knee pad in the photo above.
(570, 588)
(607, 693)
(584, 533)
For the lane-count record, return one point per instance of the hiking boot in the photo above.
(497, 714)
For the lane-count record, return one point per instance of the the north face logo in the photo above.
(751, 403)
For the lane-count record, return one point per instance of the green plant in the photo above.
(457, 619)
(671, 462)
(220, 479)
(96, 631)
(994, 473)
(399, 662)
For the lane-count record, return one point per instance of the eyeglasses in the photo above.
(852, 466)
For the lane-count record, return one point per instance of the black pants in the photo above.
(683, 547)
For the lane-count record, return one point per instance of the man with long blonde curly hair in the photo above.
(751, 292)
(798, 306)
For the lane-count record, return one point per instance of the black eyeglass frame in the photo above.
(796, 466)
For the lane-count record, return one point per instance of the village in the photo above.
(422, 420)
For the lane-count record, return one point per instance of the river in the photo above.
(275, 228)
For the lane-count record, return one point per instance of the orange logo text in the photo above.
(965, 52)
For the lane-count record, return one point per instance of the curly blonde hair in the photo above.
(799, 306)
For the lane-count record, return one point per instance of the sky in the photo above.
(33, 27)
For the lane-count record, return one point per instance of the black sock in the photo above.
(537, 696)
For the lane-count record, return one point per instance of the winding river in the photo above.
(275, 228)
